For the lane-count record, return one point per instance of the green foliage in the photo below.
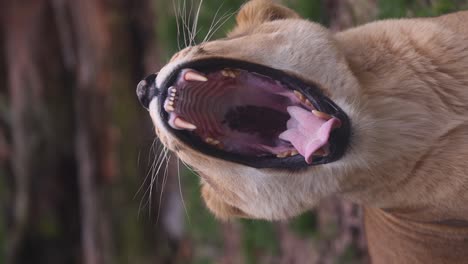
(305, 225)
(48, 226)
(349, 256)
(310, 9)
(259, 238)
(202, 225)
(416, 8)
(393, 8)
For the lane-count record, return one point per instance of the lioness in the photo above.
(282, 113)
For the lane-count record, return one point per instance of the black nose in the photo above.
(146, 90)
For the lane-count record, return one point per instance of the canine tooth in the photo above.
(300, 96)
(181, 123)
(321, 115)
(194, 76)
(293, 153)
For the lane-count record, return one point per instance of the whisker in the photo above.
(194, 171)
(185, 23)
(182, 17)
(220, 25)
(189, 20)
(195, 23)
(154, 173)
(155, 178)
(213, 22)
(180, 191)
(149, 170)
(163, 184)
(177, 23)
(156, 161)
(138, 158)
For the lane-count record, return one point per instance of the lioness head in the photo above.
(273, 118)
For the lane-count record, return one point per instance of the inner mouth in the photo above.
(252, 117)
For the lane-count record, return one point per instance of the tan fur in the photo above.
(404, 84)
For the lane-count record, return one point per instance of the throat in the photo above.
(264, 121)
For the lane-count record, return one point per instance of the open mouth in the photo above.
(252, 114)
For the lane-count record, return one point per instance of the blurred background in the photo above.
(82, 177)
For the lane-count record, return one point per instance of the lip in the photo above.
(339, 138)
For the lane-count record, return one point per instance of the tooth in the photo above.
(321, 115)
(181, 123)
(220, 146)
(293, 153)
(319, 152)
(233, 73)
(172, 90)
(307, 102)
(229, 73)
(283, 154)
(299, 96)
(168, 108)
(171, 103)
(194, 76)
(213, 142)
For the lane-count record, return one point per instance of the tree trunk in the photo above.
(71, 68)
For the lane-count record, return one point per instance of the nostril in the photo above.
(146, 90)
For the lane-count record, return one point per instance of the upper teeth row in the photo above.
(172, 95)
(169, 105)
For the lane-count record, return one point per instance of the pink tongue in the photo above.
(307, 132)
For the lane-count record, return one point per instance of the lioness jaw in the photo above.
(283, 113)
